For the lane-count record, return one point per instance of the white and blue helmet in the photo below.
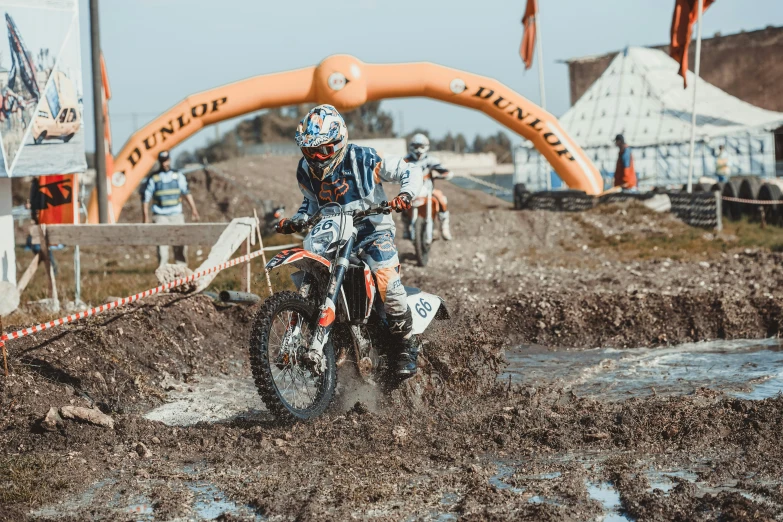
(322, 136)
(419, 146)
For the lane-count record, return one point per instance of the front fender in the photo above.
(300, 258)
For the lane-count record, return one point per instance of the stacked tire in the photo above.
(772, 212)
(749, 189)
(732, 209)
(752, 188)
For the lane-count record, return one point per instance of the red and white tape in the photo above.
(750, 201)
(127, 300)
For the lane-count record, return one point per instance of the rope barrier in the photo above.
(502, 190)
(136, 297)
(750, 201)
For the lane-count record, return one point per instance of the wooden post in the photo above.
(263, 255)
(718, 211)
(77, 272)
(28, 274)
(49, 268)
(246, 274)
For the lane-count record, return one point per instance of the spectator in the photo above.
(624, 172)
(165, 190)
(723, 165)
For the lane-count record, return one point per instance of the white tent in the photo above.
(640, 95)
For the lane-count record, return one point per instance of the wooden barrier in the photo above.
(226, 238)
(132, 234)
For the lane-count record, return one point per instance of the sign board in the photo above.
(41, 106)
(54, 199)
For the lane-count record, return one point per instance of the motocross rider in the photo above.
(332, 170)
(432, 169)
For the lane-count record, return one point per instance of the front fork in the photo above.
(328, 309)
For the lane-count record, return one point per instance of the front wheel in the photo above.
(421, 243)
(282, 332)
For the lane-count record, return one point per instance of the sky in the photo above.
(159, 51)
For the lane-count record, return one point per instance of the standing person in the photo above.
(432, 169)
(722, 164)
(335, 171)
(624, 172)
(165, 190)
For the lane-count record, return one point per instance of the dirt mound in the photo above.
(468, 446)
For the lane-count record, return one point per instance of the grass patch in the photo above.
(29, 479)
(682, 242)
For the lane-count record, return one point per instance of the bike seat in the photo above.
(409, 290)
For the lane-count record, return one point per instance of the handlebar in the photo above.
(383, 208)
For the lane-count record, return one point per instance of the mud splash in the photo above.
(746, 369)
(210, 399)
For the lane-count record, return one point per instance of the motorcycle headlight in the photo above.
(319, 245)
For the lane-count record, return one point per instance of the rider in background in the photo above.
(432, 169)
(334, 171)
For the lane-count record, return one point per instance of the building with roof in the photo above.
(640, 95)
(724, 64)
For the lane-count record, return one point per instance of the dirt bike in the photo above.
(422, 215)
(292, 346)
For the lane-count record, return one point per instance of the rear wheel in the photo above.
(282, 332)
(41, 137)
(422, 246)
(67, 138)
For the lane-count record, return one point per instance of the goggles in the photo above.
(322, 153)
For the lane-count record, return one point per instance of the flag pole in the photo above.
(541, 88)
(693, 109)
(540, 52)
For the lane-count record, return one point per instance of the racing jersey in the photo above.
(428, 164)
(356, 184)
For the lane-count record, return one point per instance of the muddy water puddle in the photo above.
(587, 472)
(751, 369)
(201, 500)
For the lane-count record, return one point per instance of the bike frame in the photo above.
(328, 312)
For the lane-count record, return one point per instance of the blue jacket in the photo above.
(356, 183)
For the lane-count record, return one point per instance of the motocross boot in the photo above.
(407, 344)
(445, 230)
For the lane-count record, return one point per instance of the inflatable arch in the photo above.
(347, 83)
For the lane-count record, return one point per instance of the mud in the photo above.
(561, 390)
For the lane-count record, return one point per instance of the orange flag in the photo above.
(529, 35)
(686, 12)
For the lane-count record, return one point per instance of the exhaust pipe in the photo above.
(230, 296)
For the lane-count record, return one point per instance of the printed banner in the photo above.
(41, 107)
(54, 199)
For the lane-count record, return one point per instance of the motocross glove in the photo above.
(289, 226)
(401, 202)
